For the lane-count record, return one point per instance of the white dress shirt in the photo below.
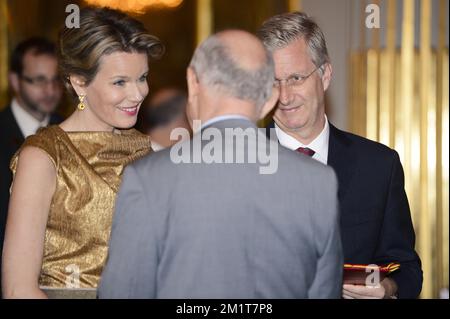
(27, 123)
(319, 145)
(224, 118)
(156, 147)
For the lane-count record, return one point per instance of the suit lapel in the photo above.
(16, 137)
(269, 129)
(55, 119)
(341, 159)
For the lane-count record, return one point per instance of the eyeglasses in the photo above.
(42, 81)
(294, 80)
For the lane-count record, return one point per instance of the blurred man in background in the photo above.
(165, 111)
(33, 77)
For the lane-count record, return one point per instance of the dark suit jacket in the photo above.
(376, 224)
(11, 138)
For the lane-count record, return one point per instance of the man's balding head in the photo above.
(245, 49)
(237, 64)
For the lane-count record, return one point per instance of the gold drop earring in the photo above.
(81, 105)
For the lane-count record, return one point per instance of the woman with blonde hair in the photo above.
(66, 177)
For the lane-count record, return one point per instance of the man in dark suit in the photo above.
(165, 111)
(37, 91)
(226, 229)
(376, 222)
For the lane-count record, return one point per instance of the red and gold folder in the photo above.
(357, 274)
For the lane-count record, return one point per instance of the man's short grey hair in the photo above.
(281, 30)
(215, 67)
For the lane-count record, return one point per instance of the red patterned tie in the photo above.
(306, 151)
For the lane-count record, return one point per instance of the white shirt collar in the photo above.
(319, 145)
(27, 123)
(224, 118)
(156, 147)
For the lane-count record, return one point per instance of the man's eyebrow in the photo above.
(290, 76)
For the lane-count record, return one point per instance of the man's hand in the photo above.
(385, 290)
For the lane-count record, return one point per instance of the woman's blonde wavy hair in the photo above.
(102, 31)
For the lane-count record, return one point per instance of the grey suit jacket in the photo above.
(225, 230)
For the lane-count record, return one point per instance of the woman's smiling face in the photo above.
(114, 96)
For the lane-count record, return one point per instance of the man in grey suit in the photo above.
(202, 228)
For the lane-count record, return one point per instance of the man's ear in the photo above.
(270, 104)
(14, 82)
(327, 75)
(78, 84)
(192, 82)
(192, 103)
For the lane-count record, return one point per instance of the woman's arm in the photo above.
(32, 191)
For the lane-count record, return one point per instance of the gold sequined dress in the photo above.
(89, 167)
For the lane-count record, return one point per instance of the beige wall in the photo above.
(333, 17)
(339, 20)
